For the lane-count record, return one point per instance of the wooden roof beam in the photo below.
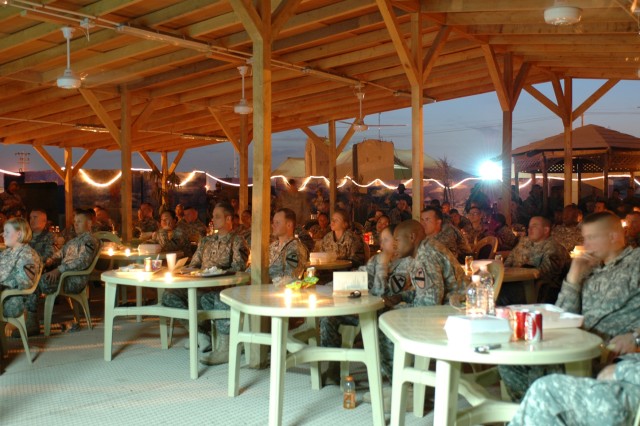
(434, 51)
(176, 160)
(148, 160)
(82, 161)
(49, 160)
(496, 77)
(543, 99)
(143, 118)
(225, 128)
(595, 97)
(317, 141)
(403, 51)
(282, 14)
(102, 113)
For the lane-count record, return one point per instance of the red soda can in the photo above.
(521, 317)
(533, 327)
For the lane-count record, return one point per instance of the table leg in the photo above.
(164, 341)
(419, 390)
(579, 368)
(369, 329)
(109, 306)
(401, 360)
(446, 404)
(193, 332)
(530, 292)
(279, 327)
(138, 302)
(234, 354)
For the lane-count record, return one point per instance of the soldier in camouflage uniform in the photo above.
(613, 399)
(543, 253)
(224, 250)
(475, 230)
(432, 221)
(569, 234)
(42, 241)
(19, 268)
(10, 201)
(146, 223)
(507, 240)
(191, 226)
(76, 255)
(287, 255)
(169, 237)
(603, 285)
(343, 242)
(386, 276)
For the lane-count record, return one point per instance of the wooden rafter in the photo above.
(225, 128)
(434, 51)
(102, 113)
(406, 59)
(316, 140)
(176, 160)
(149, 161)
(50, 161)
(82, 161)
(345, 140)
(496, 77)
(595, 96)
(283, 13)
(540, 97)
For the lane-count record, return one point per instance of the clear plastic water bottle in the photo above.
(349, 399)
(473, 296)
(486, 282)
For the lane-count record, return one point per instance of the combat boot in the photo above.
(220, 355)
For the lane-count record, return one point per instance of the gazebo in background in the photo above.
(596, 149)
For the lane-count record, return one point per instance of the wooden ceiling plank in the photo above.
(595, 97)
(249, 17)
(434, 51)
(172, 12)
(282, 14)
(147, 160)
(102, 113)
(50, 161)
(543, 99)
(82, 161)
(496, 77)
(144, 116)
(225, 128)
(403, 51)
(176, 160)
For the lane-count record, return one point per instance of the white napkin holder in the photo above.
(477, 330)
(344, 283)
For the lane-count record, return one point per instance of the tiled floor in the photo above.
(69, 383)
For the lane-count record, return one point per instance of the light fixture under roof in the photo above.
(69, 79)
(200, 137)
(561, 15)
(242, 107)
(91, 128)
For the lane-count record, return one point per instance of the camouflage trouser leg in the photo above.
(73, 285)
(179, 298)
(13, 306)
(518, 378)
(211, 301)
(386, 355)
(565, 400)
(329, 329)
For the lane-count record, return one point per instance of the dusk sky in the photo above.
(466, 131)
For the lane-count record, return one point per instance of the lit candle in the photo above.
(312, 301)
(168, 278)
(140, 276)
(110, 251)
(624, 224)
(127, 252)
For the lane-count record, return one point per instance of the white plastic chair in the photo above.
(81, 298)
(18, 322)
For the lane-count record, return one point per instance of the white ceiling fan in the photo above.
(358, 124)
(243, 107)
(69, 79)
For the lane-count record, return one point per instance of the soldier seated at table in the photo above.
(475, 230)
(244, 230)
(19, 268)
(146, 224)
(603, 285)
(612, 399)
(76, 255)
(342, 241)
(387, 275)
(432, 221)
(42, 241)
(569, 234)
(539, 251)
(102, 222)
(382, 223)
(224, 250)
(171, 238)
(191, 225)
(498, 228)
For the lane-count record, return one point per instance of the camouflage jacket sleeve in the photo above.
(21, 268)
(86, 251)
(427, 275)
(294, 259)
(570, 297)
(357, 251)
(377, 275)
(240, 253)
(196, 260)
(628, 369)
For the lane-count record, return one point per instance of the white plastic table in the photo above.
(134, 255)
(267, 300)
(420, 331)
(113, 278)
(334, 265)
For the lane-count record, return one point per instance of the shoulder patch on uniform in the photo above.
(419, 278)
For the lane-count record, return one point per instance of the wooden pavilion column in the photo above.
(164, 168)
(67, 175)
(164, 171)
(605, 173)
(508, 91)
(564, 109)
(545, 185)
(243, 153)
(126, 181)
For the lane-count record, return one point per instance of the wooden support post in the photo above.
(68, 187)
(417, 119)
(243, 153)
(125, 162)
(507, 141)
(333, 175)
(605, 174)
(164, 166)
(568, 142)
(545, 187)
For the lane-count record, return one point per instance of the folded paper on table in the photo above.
(552, 316)
(321, 257)
(149, 249)
(346, 282)
(481, 330)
